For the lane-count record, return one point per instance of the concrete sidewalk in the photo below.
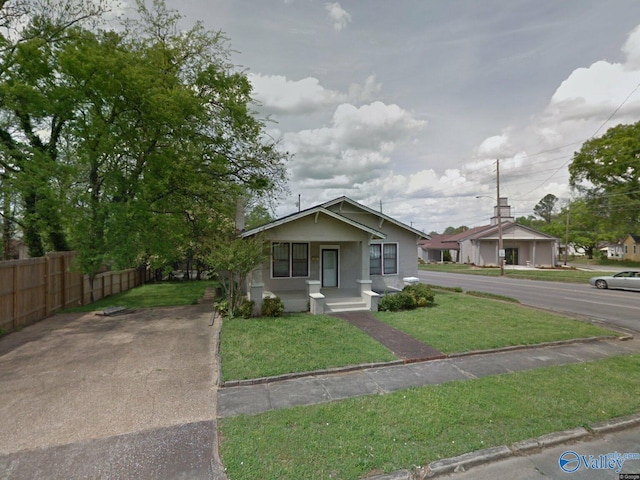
(131, 396)
(323, 387)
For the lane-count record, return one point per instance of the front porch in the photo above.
(319, 300)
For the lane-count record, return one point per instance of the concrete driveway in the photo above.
(131, 396)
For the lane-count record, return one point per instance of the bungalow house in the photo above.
(336, 256)
(438, 249)
(522, 245)
(631, 248)
(613, 251)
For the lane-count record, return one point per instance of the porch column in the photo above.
(316, 303)
(534, 252)
(255, 294)
(364, 270)
(369, 297)
(365, 285)
(313, 286)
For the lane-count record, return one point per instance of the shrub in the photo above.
(246, 308)
(272, 307)
(411, 296)
(423, 295)
(397, 301)
(222, 307)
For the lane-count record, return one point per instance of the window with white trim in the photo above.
(383, 259)
(289, 260)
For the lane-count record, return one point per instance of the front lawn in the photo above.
(260, 347)
(461, 323)
(161, 294)
(374, 434)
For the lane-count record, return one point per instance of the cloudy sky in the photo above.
(410, 102)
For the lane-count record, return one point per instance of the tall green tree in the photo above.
(140, 139)
(35, 106)
(546, 207)
(586, 225)
(607, 170)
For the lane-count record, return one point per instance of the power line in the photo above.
(591, 137)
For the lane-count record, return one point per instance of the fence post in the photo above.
(16, 296)
(47, 289)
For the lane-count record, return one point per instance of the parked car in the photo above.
(629, 280)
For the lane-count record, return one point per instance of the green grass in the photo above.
(460, 323)
(260, 347)
(375, 434)
(552, 275)
(162, 294)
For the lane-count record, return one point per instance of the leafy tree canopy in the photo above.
(546, 207)
(129, 145)
(606, 170)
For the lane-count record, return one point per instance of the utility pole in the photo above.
(566, 235)
(500, 244)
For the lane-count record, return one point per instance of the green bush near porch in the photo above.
(411, 296)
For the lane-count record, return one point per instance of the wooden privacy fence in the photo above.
(36, 288)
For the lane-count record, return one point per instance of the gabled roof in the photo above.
(312, 211)
(487, 230)
(636, 238)
(443, 242)
(440, 242)
(387, 218)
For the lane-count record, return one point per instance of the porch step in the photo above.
(345, 305)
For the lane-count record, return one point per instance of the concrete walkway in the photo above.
(322, 387)
(403, 346)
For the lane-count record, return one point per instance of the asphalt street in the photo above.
(617, 308)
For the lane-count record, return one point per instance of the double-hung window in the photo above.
(290, 260)
(383, 259)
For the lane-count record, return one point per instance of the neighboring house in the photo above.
(631, 248)
(614, 251)
(572, 251)
(433, 249)
(479, 245)
(437, 247)
(339, 255)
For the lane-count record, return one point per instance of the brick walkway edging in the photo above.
(364, 366)
(480, 457)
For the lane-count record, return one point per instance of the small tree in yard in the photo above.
(232, 259)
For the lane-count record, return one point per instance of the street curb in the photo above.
(465, 461)
(557, 343)
(615, 425)
(364, 366)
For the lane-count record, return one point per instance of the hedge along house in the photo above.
(336, 256)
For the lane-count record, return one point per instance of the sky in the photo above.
(408, 104)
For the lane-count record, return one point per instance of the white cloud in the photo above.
(356, 152)
(338, 14)
(353, 150)
(631, 48)
(279, 95)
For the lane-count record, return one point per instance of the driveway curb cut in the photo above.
(462, 462)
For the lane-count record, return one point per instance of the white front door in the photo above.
(330, 268)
